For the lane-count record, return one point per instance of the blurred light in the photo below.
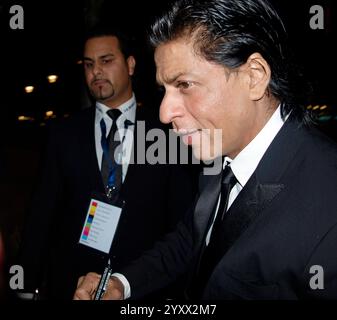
(49, 113)
(324, 118)
(79, 62)
(309, 107)
(29, 89)
(24, 118)
(52, 78)
(67, 115)
(315, 107)
(323, 107)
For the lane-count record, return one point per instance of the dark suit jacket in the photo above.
(155, 195)
(283, 223)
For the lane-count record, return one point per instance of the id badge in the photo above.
(101, 223)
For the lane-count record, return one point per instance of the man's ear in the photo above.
(131, 62)
(259, 76)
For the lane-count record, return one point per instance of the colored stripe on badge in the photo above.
(90, 219)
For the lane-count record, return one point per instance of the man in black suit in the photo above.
(155, 195)
(266, 227)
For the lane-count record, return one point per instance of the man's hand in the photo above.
(87, 285)
(115, 290)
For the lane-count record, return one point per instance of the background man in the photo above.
(155, 195)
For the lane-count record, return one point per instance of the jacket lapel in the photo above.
(251, 201)
(205, 207)
(264, 185)
(133, 166)
(87, 146)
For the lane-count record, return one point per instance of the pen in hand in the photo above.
(103, 283)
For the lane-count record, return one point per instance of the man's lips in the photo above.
(99, 82)
(185, 132)
(187, 135)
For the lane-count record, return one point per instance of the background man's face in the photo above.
(202, 95)
(107, 72)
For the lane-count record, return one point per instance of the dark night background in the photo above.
(51, 44)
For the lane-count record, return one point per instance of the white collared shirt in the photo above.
(128, 110)
(246, 162)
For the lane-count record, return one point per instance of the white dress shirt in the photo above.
(128, 110)
(246, 162)
(243, 166)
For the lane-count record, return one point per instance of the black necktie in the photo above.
(111, 168)
(228, 182)
(213, 252)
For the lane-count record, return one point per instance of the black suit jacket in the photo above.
(282, 224)
(155, 195)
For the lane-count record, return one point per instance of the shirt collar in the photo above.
(128, 110)
(248, 159)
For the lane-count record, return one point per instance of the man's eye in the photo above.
(105, 61)
(87, 65)
(184, 85)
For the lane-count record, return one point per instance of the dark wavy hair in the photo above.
(126, 41)
(227, 32)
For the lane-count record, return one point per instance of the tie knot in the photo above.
(114, 114)
(228, 177)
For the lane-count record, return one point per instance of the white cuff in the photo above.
(126, 284)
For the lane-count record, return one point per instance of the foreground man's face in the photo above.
(207, 105)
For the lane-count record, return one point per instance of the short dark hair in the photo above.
(227, 32)
(102, 29)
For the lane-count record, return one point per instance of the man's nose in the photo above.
(97, 70)
(170, 108)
